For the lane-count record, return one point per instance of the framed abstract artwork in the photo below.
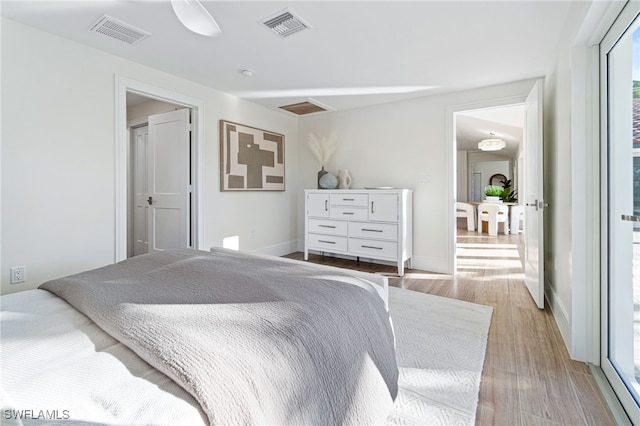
(251, 159)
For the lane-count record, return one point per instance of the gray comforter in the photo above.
(255, 341)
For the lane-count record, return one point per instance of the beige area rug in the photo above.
(440, 346)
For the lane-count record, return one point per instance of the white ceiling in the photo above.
(505, 123)
(357, 53)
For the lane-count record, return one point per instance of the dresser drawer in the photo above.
(328, 227)
(356, 199)
(381, 231)
(327, 242)
(349, 213)
(373, 248)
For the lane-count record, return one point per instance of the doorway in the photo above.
(477, 169)
(126, 86)
(527, 156)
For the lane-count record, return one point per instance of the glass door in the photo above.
(620, 62)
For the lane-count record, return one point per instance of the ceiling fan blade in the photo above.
(195, 17)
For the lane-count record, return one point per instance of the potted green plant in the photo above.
(493, 193)
(509, 195)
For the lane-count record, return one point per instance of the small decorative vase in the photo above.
(328, 181)
(344, 179)
(320, 174)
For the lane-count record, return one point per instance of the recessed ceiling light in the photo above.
(247, 72)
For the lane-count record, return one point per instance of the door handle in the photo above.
(150, 200)
(537, 204)
(630, 218)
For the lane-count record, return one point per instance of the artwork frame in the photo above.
(251, 159)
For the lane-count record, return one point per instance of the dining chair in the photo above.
(515, 217)
(493, 213)
(466, 210)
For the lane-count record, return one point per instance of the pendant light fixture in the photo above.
(195, 17)
(491, 144)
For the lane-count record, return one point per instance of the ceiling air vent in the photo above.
(119, 30)
(285, 23)
(306, 107)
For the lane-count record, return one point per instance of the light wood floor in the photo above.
(528, 377)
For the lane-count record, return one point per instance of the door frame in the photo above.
(122, 86)
(451, 186)
(619, 26)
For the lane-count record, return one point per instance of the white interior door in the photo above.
(168, 178)
(140, 142)
(534, 197)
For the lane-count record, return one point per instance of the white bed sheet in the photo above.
(68, 368)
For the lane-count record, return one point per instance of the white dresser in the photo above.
(374, 224)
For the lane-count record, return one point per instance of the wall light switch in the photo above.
(425, 179)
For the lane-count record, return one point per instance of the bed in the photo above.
(191, 337)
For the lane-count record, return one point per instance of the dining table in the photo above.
(485, 225)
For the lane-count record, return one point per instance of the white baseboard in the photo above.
(430, 264)
(560, 314)
(279, 249)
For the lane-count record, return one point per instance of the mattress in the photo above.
(57, 364)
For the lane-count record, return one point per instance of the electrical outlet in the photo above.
(18, 275)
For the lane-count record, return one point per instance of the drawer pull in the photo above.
(327, 226)
(372, 247)
(348, 213)
(348, 199)
(372, 230)
(326, 242)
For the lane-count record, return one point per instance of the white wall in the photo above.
(488, 164)
(143, 110)
(557, 193)
(392, 145)
(58, 159)
(462, 184)
(572, 156)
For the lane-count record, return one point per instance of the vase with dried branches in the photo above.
(323, 149)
